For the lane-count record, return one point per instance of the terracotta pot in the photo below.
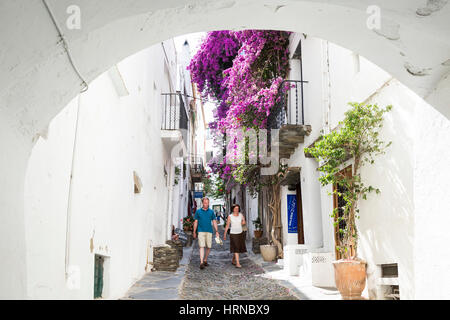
(258, 233)
(268, 252)
(350, 276)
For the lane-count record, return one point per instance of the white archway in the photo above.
(37, 79)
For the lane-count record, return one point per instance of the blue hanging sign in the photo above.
(198, 194)
(292, 213)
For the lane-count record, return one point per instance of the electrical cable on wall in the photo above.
(69, 196)
(66, 47)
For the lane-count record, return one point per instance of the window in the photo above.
(388, 283)
(389, 270)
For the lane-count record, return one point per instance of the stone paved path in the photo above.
(160, 285)
(223, 281)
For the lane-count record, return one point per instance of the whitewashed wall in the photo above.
(412, 204)
(38, 81)
(116, 135)
(431, 203)
(13, 163)
(252, 214)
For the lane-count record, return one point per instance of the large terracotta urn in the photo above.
(350, 276)
(268, 252)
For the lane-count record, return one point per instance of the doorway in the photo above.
(300, 234)
(98, 276)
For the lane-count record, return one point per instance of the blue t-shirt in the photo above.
(204, 218)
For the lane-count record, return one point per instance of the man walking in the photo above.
(203, 218)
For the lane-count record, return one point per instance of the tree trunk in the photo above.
(266, 212)
(275, 209)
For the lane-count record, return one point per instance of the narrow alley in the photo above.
(316, 131)
(219, 281)
(223, 281)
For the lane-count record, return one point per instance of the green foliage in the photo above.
(214, 186)
(177, 175)
(188, 223)
(257, 223)
(357, 139)
(249, 175)
(207, 185)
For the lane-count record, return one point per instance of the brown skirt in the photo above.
(237, 243)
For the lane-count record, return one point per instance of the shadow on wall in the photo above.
(386, 225)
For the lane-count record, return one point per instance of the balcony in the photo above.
(197, 169)
(174, 120)
(288, 116)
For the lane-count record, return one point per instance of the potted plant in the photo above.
(188, 223)
(357, 140)
(258, 226)
(268, 251)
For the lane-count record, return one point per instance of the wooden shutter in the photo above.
(300, 234)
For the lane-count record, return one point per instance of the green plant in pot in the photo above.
(355, 140)
(258, 228)
(188, 223)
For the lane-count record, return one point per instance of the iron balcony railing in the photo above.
(290, 106)
(197, 165)
(174, 116)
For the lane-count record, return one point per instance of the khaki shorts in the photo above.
(205, 239)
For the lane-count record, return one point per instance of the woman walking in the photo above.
(237, 236)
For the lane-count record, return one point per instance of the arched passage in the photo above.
(414, 49)
(37, 79)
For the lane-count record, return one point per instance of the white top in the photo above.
(236, 223)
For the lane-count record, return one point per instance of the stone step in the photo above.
(297, 128)
(292, 139)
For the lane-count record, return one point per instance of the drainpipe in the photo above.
(327, 91)
(170, 206)
(69, 197)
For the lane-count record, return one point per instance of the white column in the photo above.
(327, 222)
(171, 199)
(290, 240)
(312, 217)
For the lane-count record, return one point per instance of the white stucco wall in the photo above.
(116, 136)
(411, 205)
(252, 214)
(13, 163)
(431, 203)
(402, 223)
(387, 220)
(37, 80)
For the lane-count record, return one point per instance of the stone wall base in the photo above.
(256, 242)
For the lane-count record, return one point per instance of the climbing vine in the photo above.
(243, 72)
(357, 139)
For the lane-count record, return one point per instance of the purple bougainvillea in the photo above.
(242, 71)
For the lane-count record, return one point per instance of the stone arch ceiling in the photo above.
(37, 80)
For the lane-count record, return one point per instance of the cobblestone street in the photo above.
(223, 281)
